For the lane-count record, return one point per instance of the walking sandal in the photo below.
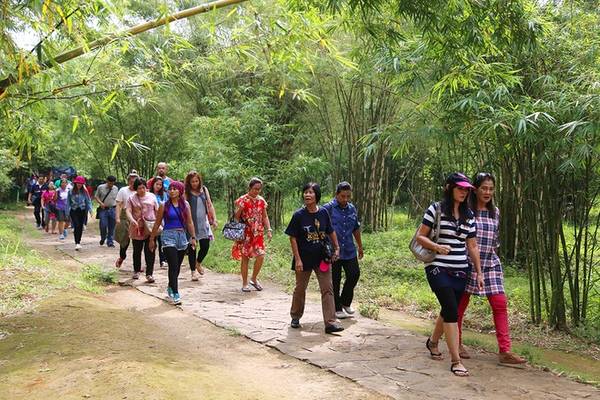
(434, 356)
(462, 372)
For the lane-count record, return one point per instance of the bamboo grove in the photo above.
(390, 95)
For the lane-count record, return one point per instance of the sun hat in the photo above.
(79, 179)
(460, 180)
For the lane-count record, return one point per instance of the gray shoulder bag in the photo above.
(420, 252)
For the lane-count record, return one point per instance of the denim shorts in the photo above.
(174, 238)
(62, 216)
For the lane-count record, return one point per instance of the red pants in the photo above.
(499, 310)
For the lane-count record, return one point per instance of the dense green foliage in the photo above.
(391, 95)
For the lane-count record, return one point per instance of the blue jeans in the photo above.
(107, 224)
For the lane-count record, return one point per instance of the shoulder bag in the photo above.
(98, 208)
(420, 252)
(326, 246)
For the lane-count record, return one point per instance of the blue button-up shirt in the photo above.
(345, 222)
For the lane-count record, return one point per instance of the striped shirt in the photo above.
(451, 235)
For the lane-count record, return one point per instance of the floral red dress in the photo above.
(252, 215)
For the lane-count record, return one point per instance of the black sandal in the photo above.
(434, 356)
(462, 372)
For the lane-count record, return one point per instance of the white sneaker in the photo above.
(341, 314)
(164, 265)
(77, 247)
(195, 275)
(349, 309)
(61, 237)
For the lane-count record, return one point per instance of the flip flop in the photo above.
(256, 285)
(246, 289)
(462, 372)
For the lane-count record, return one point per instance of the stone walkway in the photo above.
(388, 360)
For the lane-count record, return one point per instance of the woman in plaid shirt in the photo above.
(487, 220)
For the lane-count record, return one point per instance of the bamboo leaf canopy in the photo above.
(135, 30)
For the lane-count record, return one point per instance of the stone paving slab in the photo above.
(386, 359)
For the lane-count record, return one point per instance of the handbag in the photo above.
(98, 208)
(149, 226)
(326, 246)
(235, 231)
(420, 252)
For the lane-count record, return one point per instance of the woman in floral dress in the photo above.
(487, 220)
(251, 209)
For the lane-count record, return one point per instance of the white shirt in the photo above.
(123, 195)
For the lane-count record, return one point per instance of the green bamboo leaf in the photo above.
(114, 152)
(75, 124)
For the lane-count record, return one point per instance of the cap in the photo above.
(79, 179)
(460, 180)
(132, 173)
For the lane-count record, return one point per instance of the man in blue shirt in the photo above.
(344, 218)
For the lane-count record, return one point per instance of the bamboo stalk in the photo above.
(146, 26)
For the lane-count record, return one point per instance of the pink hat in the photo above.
(79, 179)
(459, 180)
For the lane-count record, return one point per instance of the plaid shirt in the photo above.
(488, 242)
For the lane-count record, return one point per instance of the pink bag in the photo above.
(323, 266)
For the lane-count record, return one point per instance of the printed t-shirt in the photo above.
(309, 229)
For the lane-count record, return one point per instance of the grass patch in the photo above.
(369, 310)
(27, 276)
(93, 277)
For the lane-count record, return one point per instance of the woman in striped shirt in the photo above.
(447, 273)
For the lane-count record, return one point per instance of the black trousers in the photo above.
(161, 253)
(138, 247)
(352, 272)
(449, 299)
(174, 259)
(77, 219)
(202, 247)
(37, 212)
(123, 251)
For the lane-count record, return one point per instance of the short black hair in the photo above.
(255, 180)
(342, 186)
(111, 178)
(138, 181)
(315, 187)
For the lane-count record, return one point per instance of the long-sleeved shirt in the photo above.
(79, 201)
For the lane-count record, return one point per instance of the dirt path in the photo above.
(125, 345)
(379, 357)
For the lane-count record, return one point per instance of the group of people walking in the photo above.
(61, 203)
(174, 219)
(163, 216)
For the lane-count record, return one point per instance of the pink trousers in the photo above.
(499, 306)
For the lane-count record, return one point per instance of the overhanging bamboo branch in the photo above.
(146, 26)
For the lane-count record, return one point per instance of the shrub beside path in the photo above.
(386, 359)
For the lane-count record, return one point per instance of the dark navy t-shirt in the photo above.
(36, 192)
(309, 229)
